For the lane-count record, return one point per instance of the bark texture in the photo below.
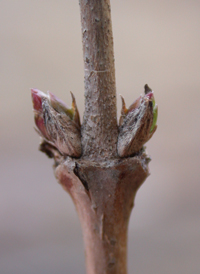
(99, 129)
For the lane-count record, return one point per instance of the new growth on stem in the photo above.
(100, 164)
(57, 124)
(137, 124)
(60, 125)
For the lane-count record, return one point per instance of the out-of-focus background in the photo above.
(155, 42)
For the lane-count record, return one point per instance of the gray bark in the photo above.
(99, 129)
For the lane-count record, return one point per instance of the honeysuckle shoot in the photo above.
(137, 124)
(58, 124)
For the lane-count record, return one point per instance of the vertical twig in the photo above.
(99, 130)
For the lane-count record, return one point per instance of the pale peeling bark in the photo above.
(102, 185)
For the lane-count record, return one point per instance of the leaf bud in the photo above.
(56, 123)
(137, 124)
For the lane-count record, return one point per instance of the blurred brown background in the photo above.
(156, 42)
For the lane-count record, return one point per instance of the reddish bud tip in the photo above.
(37, 96)
(149, 95)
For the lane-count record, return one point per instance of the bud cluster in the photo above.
(60, 125)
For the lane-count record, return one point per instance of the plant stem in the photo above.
(102, 185)
(104, 196)
(99, 129)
